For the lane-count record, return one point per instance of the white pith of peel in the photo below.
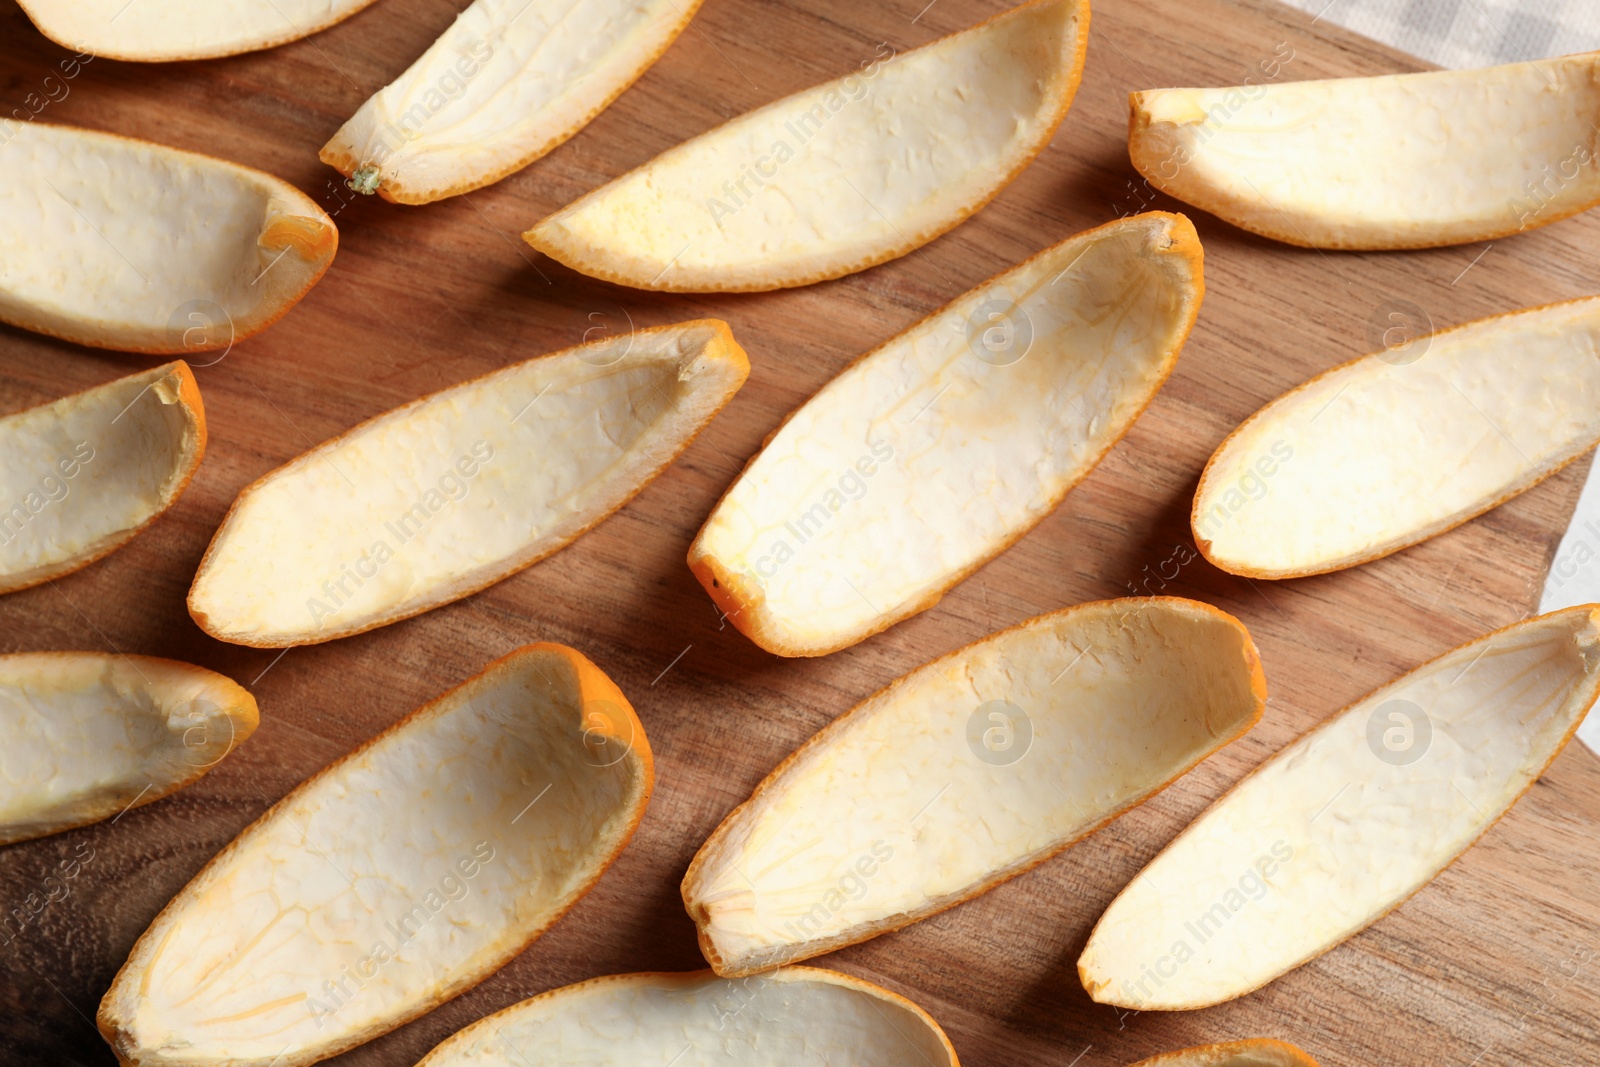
(1380, 453)
(90, 735)
(796, 1017)
(872, 166)
(1397, 161)
(1251, 1052)
(931, 454)
(506, 83)
(531, 456)
(84, 474)
(452, 840)
(891, 814)
(1344, 825)
(190, 29)
(125, 244)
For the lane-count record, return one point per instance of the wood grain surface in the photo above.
(1494, 963)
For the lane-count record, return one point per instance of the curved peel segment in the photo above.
(1396, 447)
(839, 177)
(398, 877)
(182, 29)
(1341, 827)
(968, 771)
(90, 735)
(506, 83)
(1399, 161)
(451, 493)
(125, 244)
(1252, 1052)
(84, 474)
(931, 454)
(796, 1017)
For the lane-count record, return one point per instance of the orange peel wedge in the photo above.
(1399, 446)
(795, 1017)
(1347, 823)
(84, 474)
(1466, 155)
(169, 31)
(931, 454)
(968, 771)
(839, 177)
(506, 83)
(396, 878)
(125, 244)
(451, 493)
(90, 735)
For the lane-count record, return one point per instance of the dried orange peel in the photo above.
(1467, 155)
(192, 29)
(506, 83)
(90, 735)
(969, 771)
(125, 244)
(81, 476)
(453, 492)
(395, 879)
(800, 191)
(931, 454)
(788, 1018)
(1345, 824)
(1401, 445)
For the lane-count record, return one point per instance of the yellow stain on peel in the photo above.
(311, 237)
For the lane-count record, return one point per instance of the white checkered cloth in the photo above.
(1481, 33)
(1469, 33)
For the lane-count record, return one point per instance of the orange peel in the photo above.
(968, 771)
(396, 878)
(125, 244)
(933, 453)
(451, 493)
(1399, 446)
(90, 735)
(506, 83)
(1347, 823)
(1467, 155)
(799, 191)
(84, 474)
(782, 1019)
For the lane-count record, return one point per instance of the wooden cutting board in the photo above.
(1494, 963)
